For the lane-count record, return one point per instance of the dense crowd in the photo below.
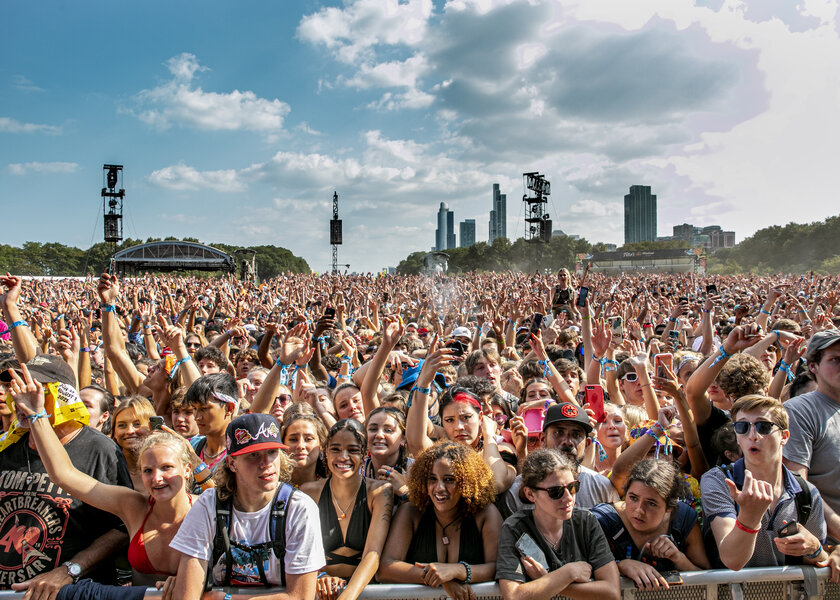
(320, 434)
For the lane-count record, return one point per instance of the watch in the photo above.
(74, 570)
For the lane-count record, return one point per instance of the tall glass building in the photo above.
(467, 231)
(639, 215)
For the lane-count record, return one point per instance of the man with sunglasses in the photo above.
(567, 428)
(814, 447)
(756, 508)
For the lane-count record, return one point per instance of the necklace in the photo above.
(343, 512)
(553, 543)
(443, 527)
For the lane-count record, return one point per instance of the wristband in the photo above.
(107, 307)
(585, 318)
(422, 390)
(705, 311)
(36, 416)
(778, 335)
(764, 312)
(228, 597)
(673, 319)
(647, 325)
(723, 354)
(85, 349)
(59, 317)
(16, 324)
(743, 527)
(469, 570)
(815, 554)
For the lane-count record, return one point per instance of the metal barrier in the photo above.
(767, 583)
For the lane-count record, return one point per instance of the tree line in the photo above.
(58, 260)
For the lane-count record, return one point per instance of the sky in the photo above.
(236, 121)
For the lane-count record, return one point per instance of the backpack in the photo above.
(260, 552)
(802, 500)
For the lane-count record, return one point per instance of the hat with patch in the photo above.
(822, 340)
(252, 433)
(47, 368)
(566, 412)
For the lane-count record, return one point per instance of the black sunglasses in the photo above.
(555, 492)
(761, 427)
(283, 398)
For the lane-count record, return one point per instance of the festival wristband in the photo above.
(743, 527)
(36, 416)
(108, 307)
(815, 554)
(16, 324)
(422, 390)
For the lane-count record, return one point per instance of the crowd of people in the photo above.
(320, 434)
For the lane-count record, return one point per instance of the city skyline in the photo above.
(236, 126)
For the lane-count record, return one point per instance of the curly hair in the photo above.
(473, 477)
(662, 476)
(743, 375)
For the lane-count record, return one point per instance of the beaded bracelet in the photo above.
(469, 570)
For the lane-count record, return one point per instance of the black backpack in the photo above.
(260, 552)
(804, 504)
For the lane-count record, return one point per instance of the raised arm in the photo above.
(24, 343)
(112, 342)
(392, 331)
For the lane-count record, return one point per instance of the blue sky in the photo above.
(236, 121)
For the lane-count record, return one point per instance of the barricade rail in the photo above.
(766, 583)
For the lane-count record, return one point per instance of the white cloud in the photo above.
(183, 177)
(179, 102)
(25, 84)
(8, 125)
(42, 167)
(593, 208)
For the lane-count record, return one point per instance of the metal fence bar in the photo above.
(813, 585)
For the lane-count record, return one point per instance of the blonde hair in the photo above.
(752, 402)
(140, 406)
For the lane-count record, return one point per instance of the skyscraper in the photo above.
(467, 231)
(445, 233)
(498, 215)
(639, 215)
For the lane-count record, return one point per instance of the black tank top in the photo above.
(357, 529)
(423, 547)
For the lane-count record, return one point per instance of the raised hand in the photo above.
(28, 394)
(13, 286)
(753, 498)
(108, 288)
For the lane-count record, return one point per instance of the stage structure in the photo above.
(537, 221)
(113, 195)
(335, 234)
(172, 256)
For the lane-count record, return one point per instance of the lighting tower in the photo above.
(537, 222)
(112, 204)
(335, 233)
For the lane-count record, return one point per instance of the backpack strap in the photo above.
(221, 542)
(803, 500)
(277, 526)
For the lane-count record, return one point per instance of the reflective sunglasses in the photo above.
(283, 399)
(761, 427)
(556, 492)
(500, 418)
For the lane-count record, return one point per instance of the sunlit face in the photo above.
(183, 420)
(488, 369)
(718, 398)
(193, 343)
(686, 371)
(768, 358)
(757, 448)
(130, 430)
(304, 446)
(282, 401)
(256, 472)
(344, 454)
(645, 508)
(384, 435)
(243, 366)
(554, 509)
(442, 486)
(613, 431)
(461, 422)
(827, 371)
(208, 366)
(348, 404)
(156, 378)
(572, 380)
(255, 381)
(212, 417)
(163, 473)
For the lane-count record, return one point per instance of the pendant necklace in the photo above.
(443, 527)
(552, 543)
(343, 512)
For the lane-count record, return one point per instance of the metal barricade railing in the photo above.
(767, 583)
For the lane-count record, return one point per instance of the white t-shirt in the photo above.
(304, 545)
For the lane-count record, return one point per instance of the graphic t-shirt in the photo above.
(304, 545)
(41, 525)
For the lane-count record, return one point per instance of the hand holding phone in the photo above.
(528, 547)
(594, 396)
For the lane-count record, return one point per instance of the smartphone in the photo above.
(329, 312)
(593, 395)
(534, 419)
(155, 422)
(711, 289)
(683, 299)
(617, 326)
(458, 347)
(536, 323)
(583, 294)
(660, 361)
(528, 547)
(789, 529)
(672, 577)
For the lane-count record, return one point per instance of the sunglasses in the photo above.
(283, 399)
(761, 427)
(500, 418)
(556, 492)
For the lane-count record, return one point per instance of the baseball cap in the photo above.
(822, 340)
(46, 368)
(410, 376)
(251, 433)
(461, 332)
(566, 412)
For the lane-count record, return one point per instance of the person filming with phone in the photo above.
(554, 548)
